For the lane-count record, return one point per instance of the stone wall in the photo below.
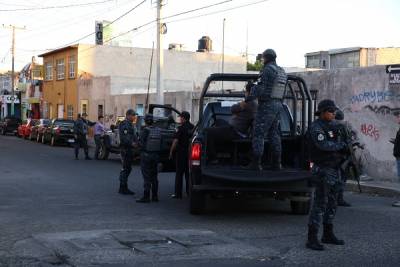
(371, 106)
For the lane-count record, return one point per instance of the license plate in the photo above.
(71, 140)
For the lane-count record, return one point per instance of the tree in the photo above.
(256, 66)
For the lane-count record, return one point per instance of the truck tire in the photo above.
(197, 203)
(300, 207)
(103, 152)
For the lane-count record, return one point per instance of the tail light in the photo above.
(58, 131)
(195, 154)
(310, 165)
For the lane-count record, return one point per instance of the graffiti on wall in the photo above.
(383, 110)
(375, 96)
(370, 130)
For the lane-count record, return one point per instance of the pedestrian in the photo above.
(396, 154)
(150, 146)
(80, 133)
(99, 131)
(239, 125)
(128, 139)
(326, 150)
(269, 92)
(180, 146)
(345, 131)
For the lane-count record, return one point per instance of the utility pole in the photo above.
(160, 54)
(13, 28)
(223, 50)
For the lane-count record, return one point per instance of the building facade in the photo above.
(60, 84)
(108, 80)
(352, 57)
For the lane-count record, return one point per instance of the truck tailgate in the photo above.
(235, 174)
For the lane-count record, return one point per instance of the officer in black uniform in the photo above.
(150, 145)
(180, 145)
(80, 131)
(128, 139)
(326, 154)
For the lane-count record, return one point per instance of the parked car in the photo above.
(25, 128)
(38, 128)
(59, 131)
(227, 178)
(163, 118)
(9, 124)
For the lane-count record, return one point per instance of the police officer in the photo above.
(81, 130)
(150, 144)
(326, 153)
(180, 145)
(345, 133)
(128, 139)
(269, 91)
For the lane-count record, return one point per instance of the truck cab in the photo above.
(227, 177)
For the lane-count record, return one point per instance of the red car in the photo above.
(24, 130)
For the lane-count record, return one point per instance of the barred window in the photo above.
(60, 69)
(70, 112)
(72, 67)
(49, 71)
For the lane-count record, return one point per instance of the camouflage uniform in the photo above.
(81, 130)
(127, 135)
(325, 146)
(268, 111)
(150, 143)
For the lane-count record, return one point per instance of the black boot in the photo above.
(255, 164)
(154, 193)
(313, 242)
(123, 189)
(329, 237)
(276, 162)
(341, 202)
(145, 198)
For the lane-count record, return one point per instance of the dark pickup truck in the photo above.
(228, 178)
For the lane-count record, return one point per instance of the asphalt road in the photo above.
(55, 210)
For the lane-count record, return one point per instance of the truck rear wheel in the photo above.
(103, 152)
(300, 207)
(197, 202)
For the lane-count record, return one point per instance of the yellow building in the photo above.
(60, 86)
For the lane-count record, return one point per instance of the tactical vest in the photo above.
(279, 84)
(153, 142)
(324, 158)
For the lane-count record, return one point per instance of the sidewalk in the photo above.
(386, 189)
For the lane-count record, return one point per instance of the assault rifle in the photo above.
(350, 165)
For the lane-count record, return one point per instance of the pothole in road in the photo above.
(132, 246)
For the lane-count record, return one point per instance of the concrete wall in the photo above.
(371, 106)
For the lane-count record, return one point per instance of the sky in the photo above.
(291, 27)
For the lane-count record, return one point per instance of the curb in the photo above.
(372, 189)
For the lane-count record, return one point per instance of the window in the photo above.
(323, 63)
(100, 110)
(60, 69)
(72, 66)
(84, 108)
(70, 112)
(49, 71)
(140, 109)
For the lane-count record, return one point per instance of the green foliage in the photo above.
(256, 66)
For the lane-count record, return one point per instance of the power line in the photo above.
(126, 13)
(55, 7)
(219, 11)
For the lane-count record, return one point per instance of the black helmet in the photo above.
(148, 118)
(269, 53)
(339, 115)
(325, 105)
(185, 115)
(131, 112)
